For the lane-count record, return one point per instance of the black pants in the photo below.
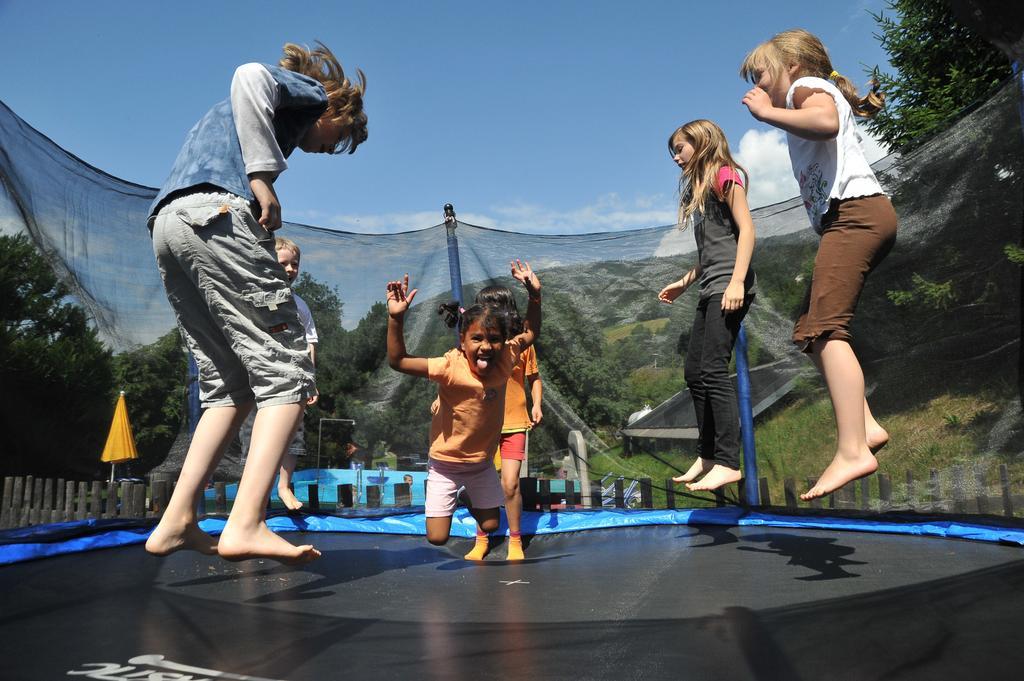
(707, 376)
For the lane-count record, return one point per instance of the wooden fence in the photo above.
(952, 493)
(32, 501)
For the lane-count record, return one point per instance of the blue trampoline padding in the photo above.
(575, 521)
(86, 536)
(45, 540)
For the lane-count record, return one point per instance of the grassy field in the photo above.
(619, 332)
(797, 440)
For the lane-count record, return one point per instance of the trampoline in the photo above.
(722, 594)
(720, 601)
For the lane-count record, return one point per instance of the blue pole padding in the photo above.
(454, 268)
(746, 420)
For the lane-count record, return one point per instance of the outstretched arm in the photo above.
(678, 288)
(399, 299)
(523, 273)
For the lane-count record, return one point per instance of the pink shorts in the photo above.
(445, 478)
(513, 446)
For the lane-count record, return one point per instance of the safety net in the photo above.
(937, 329)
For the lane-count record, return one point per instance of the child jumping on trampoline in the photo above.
(518, 422)
(289, 256)
(466, 428)
(797, 90)
(713, 196)
(212, 227)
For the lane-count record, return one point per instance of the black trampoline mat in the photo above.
(636, 603)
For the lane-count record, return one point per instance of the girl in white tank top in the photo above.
(798, 90)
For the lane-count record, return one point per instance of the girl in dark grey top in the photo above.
(715, 201)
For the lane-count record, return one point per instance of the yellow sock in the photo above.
(479, 548)
(515, 548)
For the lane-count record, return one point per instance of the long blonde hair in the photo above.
(344, 98)
(806, 51)
(710, 154)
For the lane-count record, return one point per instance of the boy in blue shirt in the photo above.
(212, 226)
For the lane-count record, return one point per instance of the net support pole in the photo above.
(454, 268)
(578, 451)
(746, 419)
(1018, 75)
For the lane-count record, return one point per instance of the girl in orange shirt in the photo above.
(472, 378)
(517, 420)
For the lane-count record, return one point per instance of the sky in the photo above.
(535, 116)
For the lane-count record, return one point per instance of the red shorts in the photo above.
(513, 446)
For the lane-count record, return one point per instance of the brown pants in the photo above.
(858, 234)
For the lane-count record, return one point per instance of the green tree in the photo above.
(635, 350)
(941, 67)
(924, 294)
(573, 355)
(346, 359)
(651, 386)
(154, 378)
(57, 397)
(1014, 253)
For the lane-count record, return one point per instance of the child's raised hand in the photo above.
(757, 102)
(399, 296)
(522, 272)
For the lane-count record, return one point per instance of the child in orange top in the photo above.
(471, 385)
(517, 419)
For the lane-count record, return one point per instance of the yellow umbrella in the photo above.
(120, 445)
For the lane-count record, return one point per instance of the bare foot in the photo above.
(842, 470)
(716, 477)
(877, 437)
(167, 537)
(699, 468)
(289, 499)
(260, 542)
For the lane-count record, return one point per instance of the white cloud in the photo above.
(381, 223)
(676, 242)
(11, 227)
(765, 156)
(609, 212)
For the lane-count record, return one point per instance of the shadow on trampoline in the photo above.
(336, 566)
(824, 555)
(720, 536)
(821, 554)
